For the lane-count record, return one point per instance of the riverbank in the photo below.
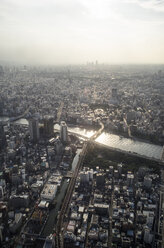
(133, 145)
(119, 133)
(87, 128)
(117, 142)
(104, 156)
(50, 224)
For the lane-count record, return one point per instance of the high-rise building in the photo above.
(114, 92)
(84, 177)
(1, 107)
(148, 237)
(147, 182)
(2, 137)
(58, 146)
(100, 179)
(34, 129)
(113, 97)
(63, 131)
(48, 126)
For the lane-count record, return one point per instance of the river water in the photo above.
(78, 130)
(130, 145)
(115, 141)
(21, 121)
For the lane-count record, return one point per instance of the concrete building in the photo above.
(58, 146)
(84, 177)
(63, 132)
(100, 179)
(16, 224)
(48, 126)
(148, 237)
(147, 182)
(1, 192)
(130, 116)
(130, 179)
(49, 192)
(49, 242)
(113, 97)
(34, 129)
(114, 92)
(18, 201)
(2, 137)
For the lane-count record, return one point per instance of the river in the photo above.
(78, 130)
(52, 218)
(130, 145)
(115, 141)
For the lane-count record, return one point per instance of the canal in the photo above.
(52, 219)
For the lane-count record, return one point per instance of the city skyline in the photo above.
(71, 32)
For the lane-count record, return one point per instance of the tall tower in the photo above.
(48, 126)
(2, 137)
(1, 107)
(114, 96)
(34, 129)
(114, 92)
(63, 131)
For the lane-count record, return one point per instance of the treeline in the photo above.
(104, 157)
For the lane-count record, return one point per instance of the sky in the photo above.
(52, 32)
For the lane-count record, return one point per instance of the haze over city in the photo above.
(82, 123)
(79, 31)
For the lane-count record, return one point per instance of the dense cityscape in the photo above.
(81, 156)
(81, 123)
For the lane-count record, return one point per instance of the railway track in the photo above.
(59, 234)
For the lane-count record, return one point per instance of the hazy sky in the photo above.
(77, 31)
